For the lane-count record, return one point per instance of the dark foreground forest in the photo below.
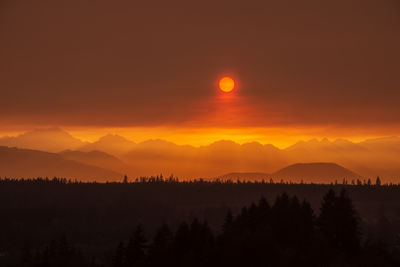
(163, 222)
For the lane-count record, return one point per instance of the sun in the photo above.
(226, 84)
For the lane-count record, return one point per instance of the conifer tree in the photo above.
(378, 181)
(228, 221)
(338, 223)
(161, 248)
(135, 250)
(119, 255)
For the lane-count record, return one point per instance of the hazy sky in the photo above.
(302, 64)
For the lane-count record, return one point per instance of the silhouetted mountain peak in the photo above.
(110, 143)
(113, 138)
(256, 146)
(48, 139)
(223, 143)
(16, 162)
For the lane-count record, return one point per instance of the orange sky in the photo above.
(303, 70)
(279, 137)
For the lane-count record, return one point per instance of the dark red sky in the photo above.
(125, 63)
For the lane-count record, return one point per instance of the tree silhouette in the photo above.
(135, 249)
(119, 255)
(283, 232)
(339, 224)
(161, 248)
(228, 221)
(26, 256)
(378, 181)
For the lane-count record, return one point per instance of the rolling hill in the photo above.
(96, 158)
(320, 172)
(370, 158)
(18, 163)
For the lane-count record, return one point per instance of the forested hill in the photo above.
(96, 217)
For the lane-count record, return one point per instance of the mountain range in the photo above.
(25, 163)
(369, 158)
(49, 139)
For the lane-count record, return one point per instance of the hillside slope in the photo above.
(324, 172)
(17, 163)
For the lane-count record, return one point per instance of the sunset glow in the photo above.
(226, 84)
(252, 85)
(204, 134)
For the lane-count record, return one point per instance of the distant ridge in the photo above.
(96, 158)
(48, 139)
(325, 172)
(24, 163)
(369, 158)
(110, 143)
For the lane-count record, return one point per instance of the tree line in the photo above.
(285, 233)
(88, 221)
(172, 179)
